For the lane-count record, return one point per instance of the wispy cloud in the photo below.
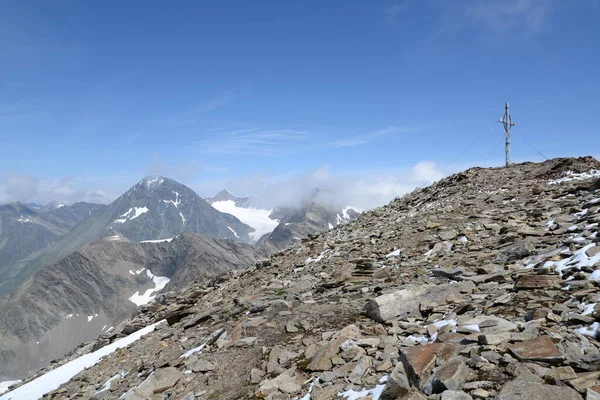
(219, 100)
(26, 188)
(394, 10)
(508, 15)
(196, 112)
(362, 189)
(499, 17)
(369, 137)
(252, 140)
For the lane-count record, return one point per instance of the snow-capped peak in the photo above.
(152, 181)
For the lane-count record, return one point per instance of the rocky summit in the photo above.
(481, 286)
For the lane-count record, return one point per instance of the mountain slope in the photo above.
(94, 288)
(25, 232)
(155, 208)
(484, 285)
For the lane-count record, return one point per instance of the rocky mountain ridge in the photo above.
(92, 290)
(483, 285)
(26, 230)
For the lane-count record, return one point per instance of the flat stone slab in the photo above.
(528, 282)
(539, 349)
(405, 303)
(520, 389)
(159, 381)
(419, 361)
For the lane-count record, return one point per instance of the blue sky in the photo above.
(95, 95)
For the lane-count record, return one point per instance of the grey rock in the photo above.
(405, 303)
(397, 385)
(455, 395)
(452, 375)
(519, 389)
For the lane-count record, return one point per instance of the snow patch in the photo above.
(595, 276)
(193, 351)
(137, 272)
(574, 176)
(373, 394)
(591, 330)
(131, 214)
(345, 217)
(53, 379)
(234, 232)
(159, 283)
(4, 385)
(257, 218)
(157, 240)
(394, 253)
(153, 181)
(588, 308)
(311, 260)
(175, 202)
(578, 260)
(108, 382)
(24, 220)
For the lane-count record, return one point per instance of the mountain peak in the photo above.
(224, 192)
(152, 181)
(225, 195)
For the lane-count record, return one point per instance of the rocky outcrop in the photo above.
(511, 251)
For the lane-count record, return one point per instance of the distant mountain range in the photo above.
(155, 208)
(71, 272)
(296, 224)
(26, 231)
(279, 228)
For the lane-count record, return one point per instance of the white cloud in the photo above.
(369, 137)
(27, 189)
(251, 140)
(427, 171)
(507, 15)
(362, 189)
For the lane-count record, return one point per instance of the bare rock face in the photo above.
(481, 286)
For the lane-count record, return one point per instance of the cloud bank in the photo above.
(361, 189)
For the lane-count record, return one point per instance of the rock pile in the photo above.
(482, 286)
